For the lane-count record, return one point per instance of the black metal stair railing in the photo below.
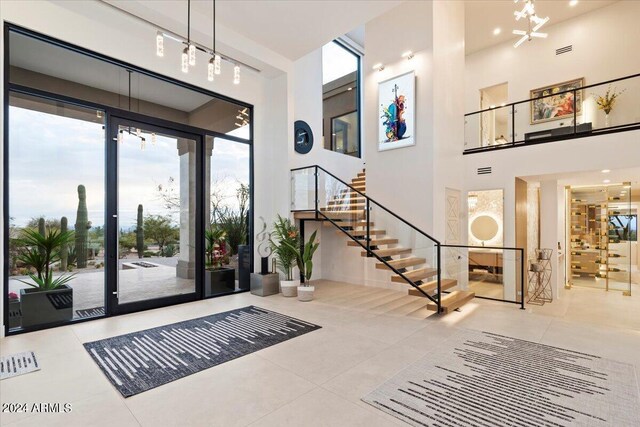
(370, 249)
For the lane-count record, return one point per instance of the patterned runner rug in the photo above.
(139, 361)
(483, 379)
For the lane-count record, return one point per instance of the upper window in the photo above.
(341, 99)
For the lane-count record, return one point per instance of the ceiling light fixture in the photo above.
(189, 52)
(497, 31)
(573, 3)
(534, 23)
(408, 54)
(606, 181)
(605, 171)
(379, 66)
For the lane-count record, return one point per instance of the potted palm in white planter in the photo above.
(304, 260)
(284, 239)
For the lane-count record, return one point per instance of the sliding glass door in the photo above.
(157, 228)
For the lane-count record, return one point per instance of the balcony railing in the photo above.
(553, 116)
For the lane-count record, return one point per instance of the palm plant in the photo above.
(304, 259)
(40, 251)
(284, 241)
(215, 238)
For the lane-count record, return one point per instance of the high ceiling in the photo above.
(291, 28)
(483, 16)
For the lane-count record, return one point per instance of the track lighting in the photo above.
(236, 75)
(379, 66)
(408, 54)
(217, 64)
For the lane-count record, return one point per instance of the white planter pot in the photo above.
(289, 288)
(305, 293)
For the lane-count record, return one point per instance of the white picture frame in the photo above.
(396, 112)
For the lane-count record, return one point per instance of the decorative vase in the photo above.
(305, 293)
(607, 122)
(289, 288)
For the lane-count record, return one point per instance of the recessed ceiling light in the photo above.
(496, 31)
(605, 171)
(606, 181)
(492, 106)
(573, 3)
(350, 88)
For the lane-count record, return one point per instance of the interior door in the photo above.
(156, 216)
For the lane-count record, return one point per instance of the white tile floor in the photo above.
(317, 379)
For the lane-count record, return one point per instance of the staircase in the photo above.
(346, 209)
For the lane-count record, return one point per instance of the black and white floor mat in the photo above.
(90, 312)
(483, 379)
(18, 364)
(139, 361)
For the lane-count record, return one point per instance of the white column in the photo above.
(186, 267)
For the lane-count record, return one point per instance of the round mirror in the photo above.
(484, 228)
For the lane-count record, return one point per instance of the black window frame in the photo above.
(11, 88)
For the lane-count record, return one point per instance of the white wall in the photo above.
(605, 46)
(100, 28)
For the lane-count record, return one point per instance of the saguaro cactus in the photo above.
(42, 231)
(64, 250)
(81, 228)
(140, 233)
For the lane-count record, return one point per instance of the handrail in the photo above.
(522, 270)
(382, 260)
(553, 94)
(370, 199)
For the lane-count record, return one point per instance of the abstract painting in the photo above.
(550, 103)
(396, 101)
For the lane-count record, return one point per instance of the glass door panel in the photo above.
(156, 215)
(56, 190)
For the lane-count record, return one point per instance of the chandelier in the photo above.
(188, 56)
(534, 23)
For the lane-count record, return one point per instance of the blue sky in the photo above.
(51, 155)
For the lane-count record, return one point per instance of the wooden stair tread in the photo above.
(432, 286)
(401, 263)
(374, 242)
(361, 174)
(342, 214)
(363, 233)
(349, 223)
(415, 275)
(345, 204)
(339, 200)
(388, 252)
(452, 301)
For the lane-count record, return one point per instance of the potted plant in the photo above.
(304, 260)
(285, 240)
(15, 317)
(607, 102)
(50, 299)
(218, 278)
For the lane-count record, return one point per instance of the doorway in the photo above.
(155, 216)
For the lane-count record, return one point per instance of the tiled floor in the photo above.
(317, 379)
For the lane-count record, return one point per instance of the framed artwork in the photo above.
(396, 102)
(555, 107)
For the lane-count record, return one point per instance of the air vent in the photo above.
(565, 49)
(484, 171)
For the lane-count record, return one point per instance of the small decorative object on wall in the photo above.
(396, 98)
(607, 102)
(557, 103)
(303, 137)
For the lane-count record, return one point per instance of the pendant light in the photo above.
(137, 132)
(236, 75)
(159, 44)
(213, 67)
(190, 46)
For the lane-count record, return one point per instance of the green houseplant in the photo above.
(49, 299)
(304, 259)
(284, 241)
(218, 278)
